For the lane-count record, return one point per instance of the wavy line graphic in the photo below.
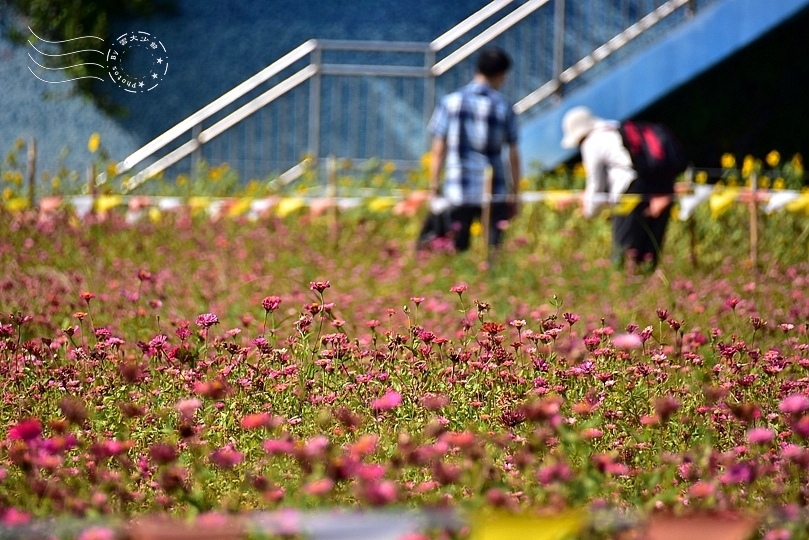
(64, 40)
(63, 54)
(59, 82)
(66, 67)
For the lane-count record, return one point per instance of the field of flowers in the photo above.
(189, 365)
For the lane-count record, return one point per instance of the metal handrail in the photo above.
(371, 45)
(215, 106)
(229, 121)
(599, 54)
(467, 24)
(487, 35)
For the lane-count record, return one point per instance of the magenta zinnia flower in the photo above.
(206, 320)
(226, 457)
(794, 404)
(271, 303)
(26, 430)
(760, 435)
(255, 421)
(389, 401)
(627, 341)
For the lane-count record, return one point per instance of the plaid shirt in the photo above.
(475, 121)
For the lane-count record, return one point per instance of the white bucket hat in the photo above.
(576, 124)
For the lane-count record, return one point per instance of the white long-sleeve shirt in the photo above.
(607, 164)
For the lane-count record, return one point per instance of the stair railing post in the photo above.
(315, 102)
(558, 44)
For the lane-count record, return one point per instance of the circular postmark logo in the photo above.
(137, 61)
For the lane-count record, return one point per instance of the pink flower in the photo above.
(701, 490)
(434, 402)
(187, 407)
(271, 303)
(794, 404)
(363, 446)
(316, 446)
(319, 286)
(255, 421)
(26, 430)
(571, 318)
(318, 488)
(226, 457)
(627, 341)
(12, 517)
(276, 447)
(591, 433)
(459, 288)
(760, 436)
(379, 493)
(97, 533)
(206, 320)
(389, 401)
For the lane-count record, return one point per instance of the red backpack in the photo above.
(657, 155)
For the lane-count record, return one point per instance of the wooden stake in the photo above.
(486, 212)
(754, 220)
(692, 233)
(331, 194)
(32, 170)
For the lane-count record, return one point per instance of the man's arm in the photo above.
(438, 155)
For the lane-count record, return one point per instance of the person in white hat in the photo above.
(610, 175)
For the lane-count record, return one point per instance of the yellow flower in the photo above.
(748, 165)
(476, 229)
(524, 184)
(797, 164)
(252, 187)
(56, 182)
(218, 172)
(13, 177)
(728, 161)
(578, 170)
(764, 182)
(779, 183)
(7, 193)
(773, 158)
(389, 167)
(425, 160)
(94, 142)
(182, 180)
(701, 178)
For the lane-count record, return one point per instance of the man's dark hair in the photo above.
(493, 62)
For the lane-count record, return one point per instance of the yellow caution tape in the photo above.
(505, 526)
(381, 204)
(288, 205)
(626, 204)
(721, 199)
(104, 203)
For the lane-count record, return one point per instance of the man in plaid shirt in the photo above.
(469, 129)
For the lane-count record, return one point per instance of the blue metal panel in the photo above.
(712, 35)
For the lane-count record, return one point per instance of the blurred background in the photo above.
(726, 75)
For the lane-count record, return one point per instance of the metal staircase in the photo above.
(370, 99)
